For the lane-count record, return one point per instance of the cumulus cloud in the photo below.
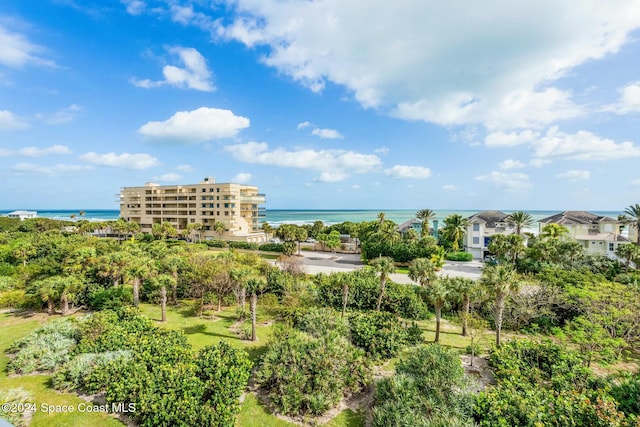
(193, 73)
(581, 145)
(134, 7)
(512, 182)
(629, 99)
(442, 62)
(404, 171)
(327, 133)
(304, 125)
(510, 164)
(18, 51)
(242, 178)
(168, 177)
(333, 165)
(55, 170)
(510, 139)
(199, 125)
(124, 160)
(574, 175)
(9, 121)
(62, 116)
(39, 152)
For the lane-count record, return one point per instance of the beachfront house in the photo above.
(22, 215)
(481, 226)
(596, 233)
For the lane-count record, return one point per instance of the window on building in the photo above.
(217, 190)
(226, 213)
(204, 190)
(476, 240)
(211, 190)
(611, 248)
(476, 227)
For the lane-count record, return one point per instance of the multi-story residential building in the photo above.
(481, 226)
(238, 207)
(597, 234)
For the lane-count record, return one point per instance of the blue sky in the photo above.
(323, 104)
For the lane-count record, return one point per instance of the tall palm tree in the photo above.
(466, 289)
(455, 226)
(499, 281)
(423, 271)
(383, 266)
(437, 293)
(634, 219)
(554, 231)
(426, 216)
(520, 220)
(254, 287)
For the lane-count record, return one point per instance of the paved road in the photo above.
(326, 262)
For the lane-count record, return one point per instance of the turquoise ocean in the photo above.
(276, 217)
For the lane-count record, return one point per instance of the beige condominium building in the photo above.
(240, 208)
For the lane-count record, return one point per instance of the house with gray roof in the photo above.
(481, 227)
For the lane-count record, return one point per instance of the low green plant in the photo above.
(23, 403)
(459, 256)
(78, 373)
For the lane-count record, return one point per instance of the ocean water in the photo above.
(276, 217)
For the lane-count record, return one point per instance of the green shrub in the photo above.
(14, 299)
(458, 256)
(243, 245)
(271, 247)
(625, 388)
(306, 375)
(318, 322)
(379, 334)
(110, 298)
(216, 243)
(7, 283)
(45, 349)
(22, 401)
(78, 372)
(427, 390)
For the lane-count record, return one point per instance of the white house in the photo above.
(482, 226)
(22, 215)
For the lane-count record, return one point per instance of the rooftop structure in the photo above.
(238, 207)
(482, 226)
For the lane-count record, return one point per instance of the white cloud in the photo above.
(242, 178)
(333, 165)
(64, 115)
(124, 160)
(5, 153)
(184, 168)
(510, 139)
(403, 171)
(449, 187)
(355, 187)
(18, 51)
(510, 164)
(304, 125)
(629, 99)
(582, 145)
(195, 126)
(134, 7)
(194, 73)
(59, 169)
(512, 182)
(538, 163)
(168, 177)
(574, 175)
(327, 133)
(9, 121)
(381, 150)
(635, 183)
(39, 152)
(444, 62)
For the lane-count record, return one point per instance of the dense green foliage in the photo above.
(364, 289)
(459, 256)
(427, 391)
(306, 374)
(381, 335)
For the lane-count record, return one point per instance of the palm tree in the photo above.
(554, 231)
(426, 216)
(634, 219)
(437, 293)
(499, 281)
(219, 228)
(520, 220)
(254, 287)
(423, 271)
(627, 252)
(465, 288)
(383, 266)
(455, 226)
